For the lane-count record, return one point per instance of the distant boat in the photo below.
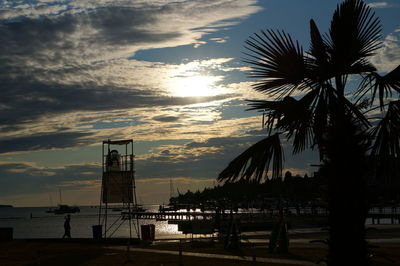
(62, 209)
(6, 206)
(51, 210)
(134, 209)
(138, 208)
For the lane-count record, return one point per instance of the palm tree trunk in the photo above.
(345, 168)
(347, 214)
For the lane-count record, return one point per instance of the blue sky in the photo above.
(167, 74)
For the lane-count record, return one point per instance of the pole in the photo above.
(180, 263)
(106, 188)
(59, 191)
(134, 189)
(102, 180)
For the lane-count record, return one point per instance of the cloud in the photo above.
(68, 80)
(166, 118)
(219, 40)
(64, 57)
(388, 57)
(40, 142)
(27, 177)
(112, 29)
(378, 4)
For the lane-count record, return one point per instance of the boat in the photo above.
(138, 208)
(133, 209)
(51, 209)
(63, 208)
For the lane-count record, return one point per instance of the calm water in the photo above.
(49, 225)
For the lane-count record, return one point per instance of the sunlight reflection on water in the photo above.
(47, 225)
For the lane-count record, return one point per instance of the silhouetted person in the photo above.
(67, 227)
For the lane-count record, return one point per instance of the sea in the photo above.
(35, 222)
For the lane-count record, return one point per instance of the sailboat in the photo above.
(51, 209)
(63, 208)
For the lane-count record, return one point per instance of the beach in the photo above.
(386, 239)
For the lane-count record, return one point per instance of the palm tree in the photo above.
(329, 112)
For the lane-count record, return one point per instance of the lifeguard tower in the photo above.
(118, 189)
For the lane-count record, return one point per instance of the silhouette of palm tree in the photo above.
(330, 113)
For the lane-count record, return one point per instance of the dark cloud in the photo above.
(41, 56)
(186, 162)
(54, 65)
(27, 101)
(20, 178)
(166, 118)
(40, 74)
(67, 38)
(209, 162)
(42, 141)
(127, 26)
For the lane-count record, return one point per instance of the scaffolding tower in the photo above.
(118, 187)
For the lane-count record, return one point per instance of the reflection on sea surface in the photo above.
(36, 223)
(48, 225)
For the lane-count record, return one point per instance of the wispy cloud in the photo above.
(378, 4)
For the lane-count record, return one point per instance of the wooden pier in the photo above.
(188, 215)
(170, 215)
(376, 217)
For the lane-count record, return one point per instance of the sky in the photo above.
(168, 74)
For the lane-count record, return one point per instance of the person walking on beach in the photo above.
(67, 227)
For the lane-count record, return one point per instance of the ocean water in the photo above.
(49, 225)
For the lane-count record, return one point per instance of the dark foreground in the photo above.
(75, 252)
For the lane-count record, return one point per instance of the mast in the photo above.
(171, 189)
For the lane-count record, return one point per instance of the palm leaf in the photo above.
(381, 86)
(318, 46)
(255, 161)
(354, 34)
(387, 133)
(386, 148)
(277, 60)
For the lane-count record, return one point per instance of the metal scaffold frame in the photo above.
(118, 186)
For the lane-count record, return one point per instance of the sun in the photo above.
(195, 79)
(194, 86)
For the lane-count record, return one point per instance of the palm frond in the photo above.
(255, 161)
(318, 46)
(289, 115)
(387, 133)
(380, 86)
(354, 34)
(328, 109)
(386, 148)
(277, 60)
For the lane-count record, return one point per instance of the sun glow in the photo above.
(195, 79)
(194, 86)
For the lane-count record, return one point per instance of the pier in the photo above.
(376, 217)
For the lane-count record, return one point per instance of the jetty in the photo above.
(246, 215)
